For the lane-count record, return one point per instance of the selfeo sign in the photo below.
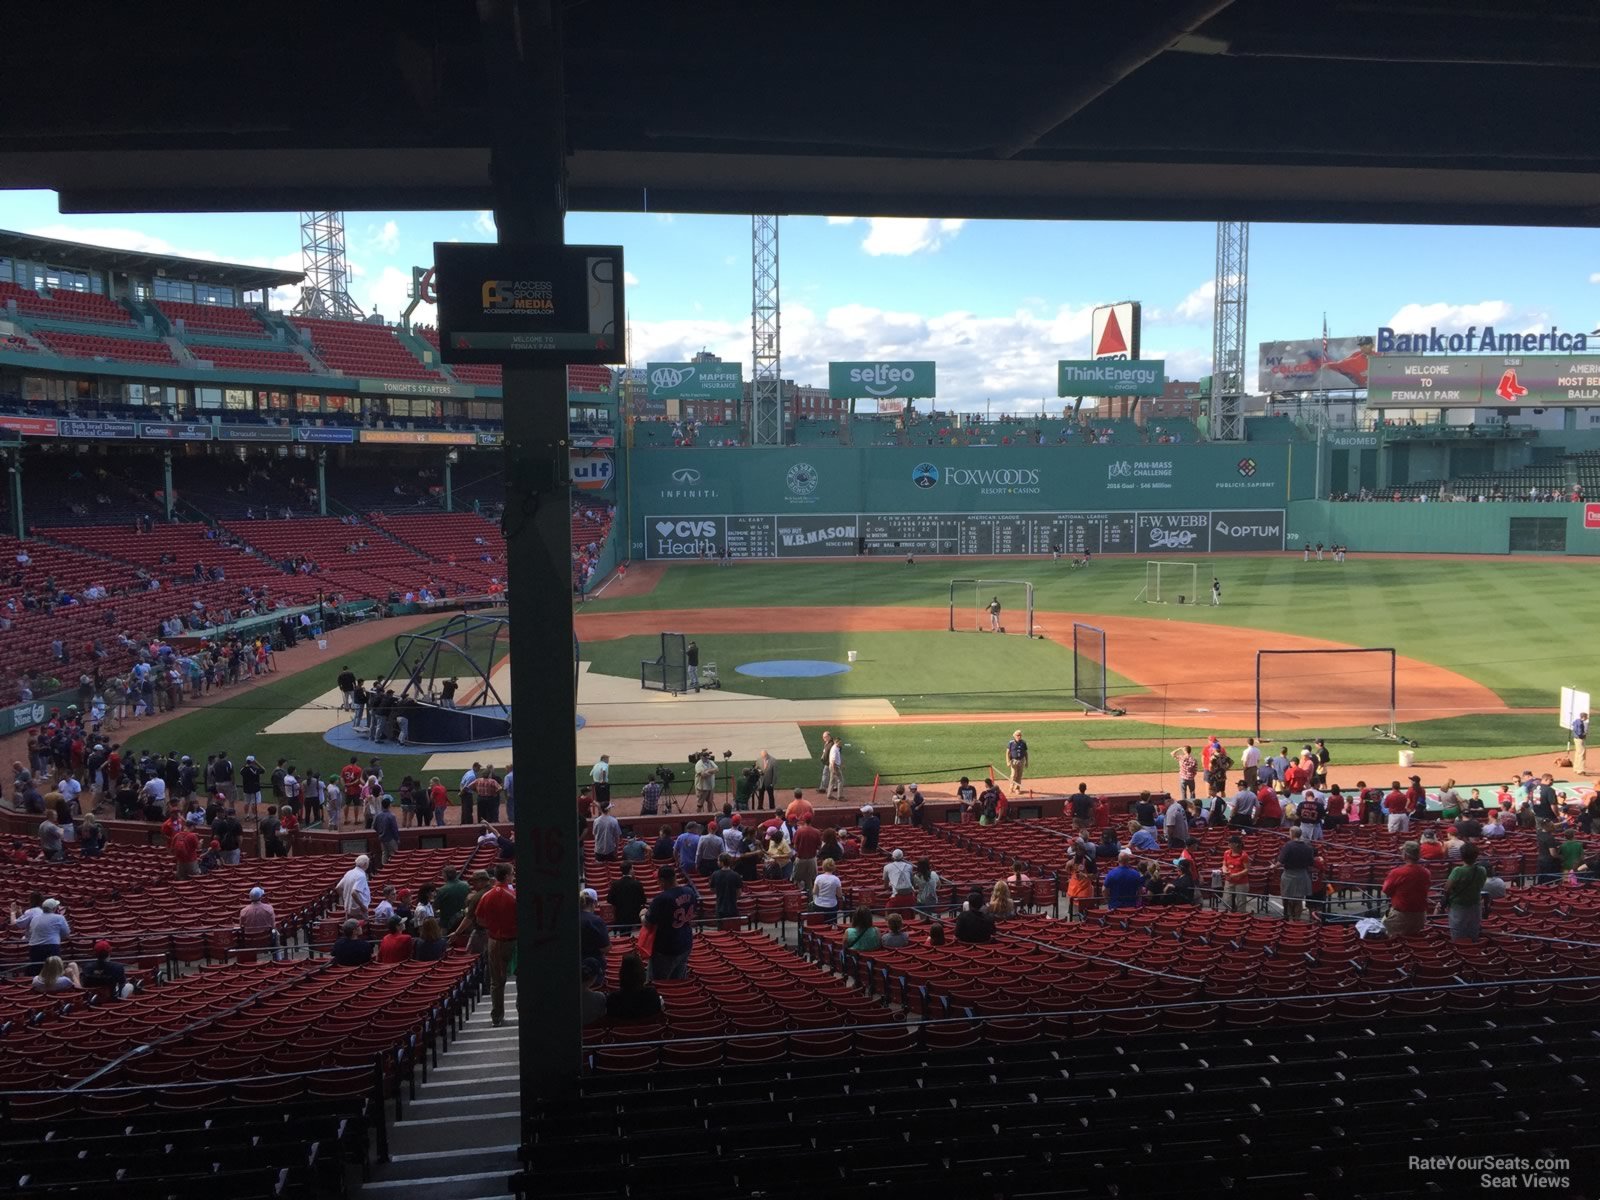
(905, 380)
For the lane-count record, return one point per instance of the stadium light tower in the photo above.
(326, 290)
(766, 345)
(1227, 331)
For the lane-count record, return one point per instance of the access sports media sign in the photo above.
(695, 381)
(901, 380)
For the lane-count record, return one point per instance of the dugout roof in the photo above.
(1475, 111)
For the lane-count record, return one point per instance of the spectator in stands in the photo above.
(1407, 888)
(57, 976)
(1177, 824)
(350, 949)
(973, 925)
(594, 938)
(1295, 860)
(626, 898)
(257, 917)
(396, 944)
(806, 843)
(1236, 875)
(45, 925)
(1001, 905)
(450, 899)
(103, 973)
(670, 927)
(634, 999)
(430, 944)
(354, 891)
(1123, 884)
(388, 831)
(1463, 896)
(897, 878)
(607, 831)
(496, 914)
(1397, 809)
(826, 891)
(487, 788)
(186, 853)
(50, 840)
(863, 934)
(895, 936)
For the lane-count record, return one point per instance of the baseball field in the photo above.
(1483, 646)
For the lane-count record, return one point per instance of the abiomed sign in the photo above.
(695, 381)
(1110, 377)
(905, 380)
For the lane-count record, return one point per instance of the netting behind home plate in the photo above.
(1305, 691)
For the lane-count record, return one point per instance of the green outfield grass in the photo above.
(1516, 627)
(917, 672)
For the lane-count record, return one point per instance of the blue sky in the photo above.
(995, 303)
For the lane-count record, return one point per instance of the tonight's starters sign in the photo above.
(529, 306)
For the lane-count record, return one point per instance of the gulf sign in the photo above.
(591, 472)
(1114, 330)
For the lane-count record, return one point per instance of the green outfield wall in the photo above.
(840, 500)
(1447, 528)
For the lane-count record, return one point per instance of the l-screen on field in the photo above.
(921, 702)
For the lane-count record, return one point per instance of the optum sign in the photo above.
(904, 380)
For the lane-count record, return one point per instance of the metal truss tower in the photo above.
(1227, 331)
(326, 290)
(766, 388)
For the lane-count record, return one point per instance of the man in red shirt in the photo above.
(496, 915)
(1269, 810)
(1407, 888)
(186, 853)
(396, 945)
(351, 778)
(1235, 876)
(1397, 808)
(805, 843)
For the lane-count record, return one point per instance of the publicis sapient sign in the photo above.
(1110, 377)
(695, 381)
(905, 380)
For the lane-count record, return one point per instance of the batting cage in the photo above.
(1089, 667)
(1307, 692)
(991, 605)
(668, 671)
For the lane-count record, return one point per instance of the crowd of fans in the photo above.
(1447, 493)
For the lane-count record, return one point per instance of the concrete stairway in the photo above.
(458, 1138)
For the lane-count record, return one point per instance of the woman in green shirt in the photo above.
(863, 934)
(1463, 893)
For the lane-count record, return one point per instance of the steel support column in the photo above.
(322, 483)
(449, 481)
(1227, 331)
(19, 526)
(766, 344)
(522, 41)
(166, 485)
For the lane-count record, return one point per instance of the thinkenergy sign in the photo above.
(838, 535)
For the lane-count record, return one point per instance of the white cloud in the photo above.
(1415, 317)
(1595, 277)
(389, 293)
(840, 220)
(1199, 304)
(387, 238)
(908, 235)
(1010, 360)
(629, 279)
(484, 223)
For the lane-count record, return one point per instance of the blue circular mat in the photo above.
(792, 668)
